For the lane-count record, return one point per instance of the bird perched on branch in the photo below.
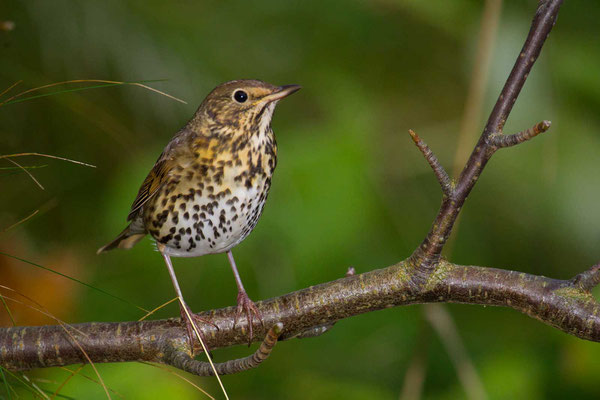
(208, 188)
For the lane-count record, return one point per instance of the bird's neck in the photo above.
(215, 140)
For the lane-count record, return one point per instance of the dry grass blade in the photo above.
(12, 319)
(6, 385)
(27, 172)
(13, 98)
(63, 384)
(179, 376)
(8, 89)
(73, 279)
(442, 322)
(36, 387)
(24, 383)
(40, 310)
(65, 327)
(212, 365)
(149, 313)
(89, 378)
(21, 221)
(8, 156)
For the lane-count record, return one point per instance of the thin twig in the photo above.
(439, 171)
(472, 113)
(428, 254)
(500, 141)
(474, 102)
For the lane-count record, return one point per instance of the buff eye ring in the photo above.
(240, 96)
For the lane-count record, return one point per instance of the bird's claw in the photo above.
(244, 304)
(190, 325)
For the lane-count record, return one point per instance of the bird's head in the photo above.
(242, 104)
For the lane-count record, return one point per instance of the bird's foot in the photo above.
(244, 304)
(192, 326)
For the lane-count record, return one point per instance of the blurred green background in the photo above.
(350, 188)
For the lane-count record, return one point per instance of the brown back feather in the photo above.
(177, 152)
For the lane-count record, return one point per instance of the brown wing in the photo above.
(153, 182)
(177, 153)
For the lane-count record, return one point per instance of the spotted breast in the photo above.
(213, 197)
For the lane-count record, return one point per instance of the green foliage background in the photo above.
(350, 188)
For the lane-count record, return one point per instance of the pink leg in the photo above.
(244, 304)
(190, 323)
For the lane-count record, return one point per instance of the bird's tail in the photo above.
(126, 240)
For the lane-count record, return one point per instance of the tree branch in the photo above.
(564, 304)
(425, 277)
(183, 360)
(429, 252)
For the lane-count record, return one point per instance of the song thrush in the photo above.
(209, 186)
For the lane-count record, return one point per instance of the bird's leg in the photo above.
(244, 304)
(187, 316)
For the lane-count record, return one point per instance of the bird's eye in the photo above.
(240, 96)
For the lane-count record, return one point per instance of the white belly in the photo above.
(215, 226)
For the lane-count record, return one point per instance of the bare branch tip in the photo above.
(276, 329)
(589, 279)
(414, 136)
(500, 140)
(439, 171)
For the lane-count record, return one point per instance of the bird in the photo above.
(208, 187)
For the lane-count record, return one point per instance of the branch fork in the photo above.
(428, 255)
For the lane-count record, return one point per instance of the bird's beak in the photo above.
(281, 92)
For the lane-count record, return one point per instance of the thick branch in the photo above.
(566, 305)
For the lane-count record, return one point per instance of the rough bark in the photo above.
(566, 305)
